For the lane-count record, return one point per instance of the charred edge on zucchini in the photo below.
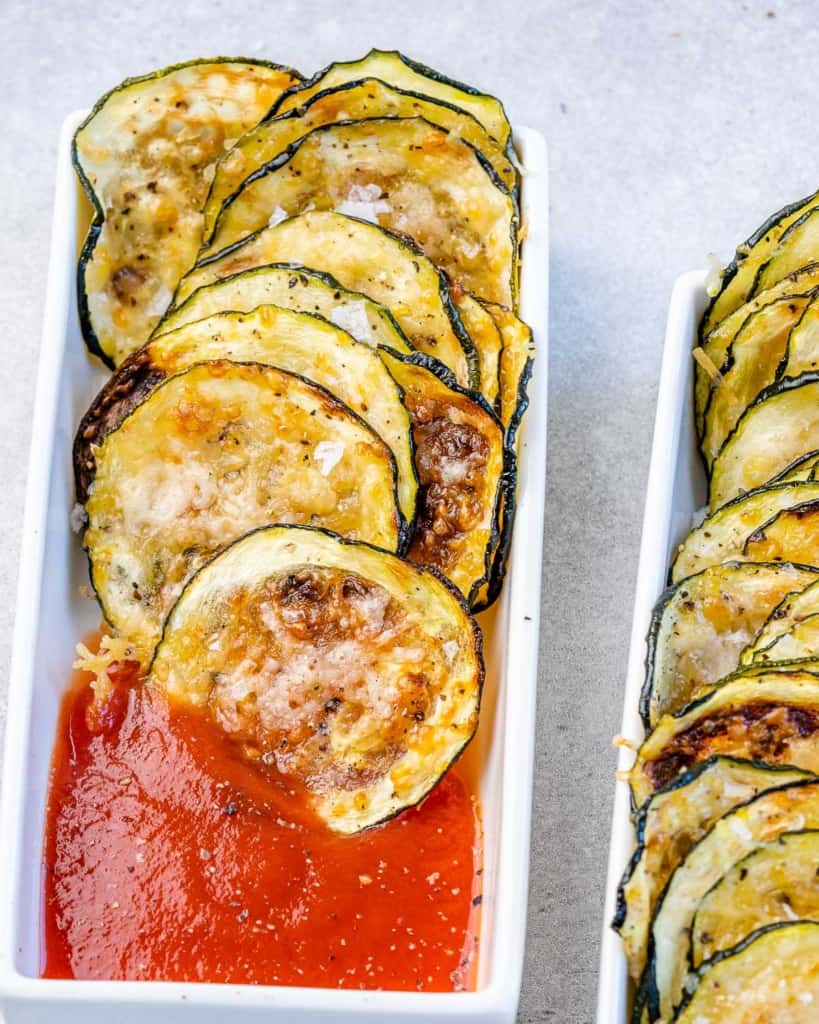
(284, 158)
(98, 219)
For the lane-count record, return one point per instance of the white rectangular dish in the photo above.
(52, 617)
(676, 490)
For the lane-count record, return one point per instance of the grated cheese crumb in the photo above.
(77, 518)
(707, 364)
(713, 279)
(364, 202)
(328, 454)
(277, 216)
(111, 649)
(352, 318)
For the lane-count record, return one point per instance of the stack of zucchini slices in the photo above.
(719, 907)
(307, 292)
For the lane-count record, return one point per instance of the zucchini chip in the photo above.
(210, 454)
(459, 456)
(797, 246)
(800, 643)
(352, 101)
(670, 823)
(717, 343)
(774, 884)
(406, 175)
(786, 809)
(780, 426)
(701, 625)
(354, 673)
(515, 367)
(790, 612)
(399, 71)
(801, 469)
(790, 534)
(292, 286)
(297, 342)
(772, 975)
(363, 258)
(144, 156)
(750, 366)
(802, 355)
(740, 280)
(770, 716)
(722, 536)
(486, 335)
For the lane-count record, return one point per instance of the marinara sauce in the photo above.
(168, 857)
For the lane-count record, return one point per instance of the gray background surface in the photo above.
(674, 129)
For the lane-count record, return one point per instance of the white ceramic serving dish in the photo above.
(52, 617)
(676, 490)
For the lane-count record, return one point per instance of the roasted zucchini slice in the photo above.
(774, 884)
(741, 278)
(750, 366)
(460, 459)
(802, 354)
(717, 343)
(297, 342)
(770, 716)
(353, 101)
(800, 643)
(404, 174)
(722, 536)
(486, 335)
(670, 823)
(144, 156)
(515, 367)
(790, 534)
(363, 258)
(211, 453)
(786, 809)
(795, 608)
(701, 625)
(399, 71)
(343, 667)
(801, 469)
(780, 426)
(292, 286)
(797, 246)
(772, 975)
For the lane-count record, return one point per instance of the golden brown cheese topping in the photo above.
(320, 673)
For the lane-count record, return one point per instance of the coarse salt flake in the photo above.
(328, 454)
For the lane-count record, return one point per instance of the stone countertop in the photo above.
(673, 131)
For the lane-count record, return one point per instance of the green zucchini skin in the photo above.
(95, 228)
(807, 930)
(476, 635)
(753, 240)
(416, 66)
(283, 158)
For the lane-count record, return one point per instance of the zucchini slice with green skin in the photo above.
(790, 534)
(515, 366)
(353, 101)
(774, 884)
(722, 537)
(802, 354)
(144, 156)
(797, 246)
(486, 335)
(405, 174)
(771, 716)
(701, 625)
(670, 823)
(789, 808)
(801, 469)
(292, 286)
(772, 975)
(750, 366)
(460, 460)
(297, 342)
(789, 613)
(351, 671)
(740, 279)
(718, 341)
(779, 427)
(399, 71)
(363, 258)
(211, 453)
(800, 643)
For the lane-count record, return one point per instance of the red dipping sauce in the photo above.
(169, 858)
